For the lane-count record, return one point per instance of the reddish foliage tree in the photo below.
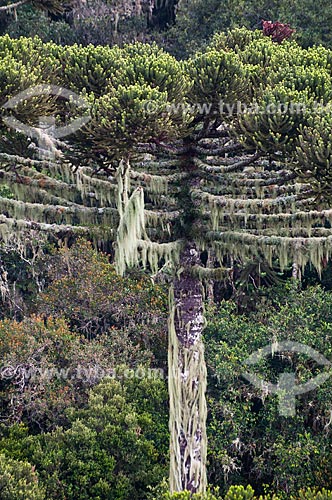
(277, 31)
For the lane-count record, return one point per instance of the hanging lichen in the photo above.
(20, 228)
(187, 386)
(103, 190)
(132, 221)
(71, 214)
(316, 250)
(152, 253)
(153, 183)
(133, 243)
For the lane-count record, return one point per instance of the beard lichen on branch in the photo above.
(103, 190)
(133, 244)
(188, 410)
(263, 209)
(39, 212)
(21, 227)
(131, 227)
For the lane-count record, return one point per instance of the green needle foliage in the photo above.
(18, 480)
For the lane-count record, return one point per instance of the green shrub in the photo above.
(113, 449)
(46, 368)
(249, 441)
(161, 492)
(240, 493)
(18, 481)
(86, 290)
(312, 494)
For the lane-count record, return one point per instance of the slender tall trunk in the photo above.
(296, 271)
(211, 260)
(187, 379)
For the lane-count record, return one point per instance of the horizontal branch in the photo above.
(159, 217)
(8, 159)
(232, 167)
(30, 193)
(8, 225)
(262, 179)
(252, 205)
(255, 191)
(37, 182)
(158, 180)
(213, 151)
(275, 241)
(286, 249)
(13, 6)
(45, 213)
(209, 273)
(258, 173)
(301, 232)
(160, 165)
(80, 182)
(298, 218)
(156, 148)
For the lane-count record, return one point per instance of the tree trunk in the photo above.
(187, 379)
(211, 260)
(163, 14)
(296, 271)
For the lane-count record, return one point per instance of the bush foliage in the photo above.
(249, 440)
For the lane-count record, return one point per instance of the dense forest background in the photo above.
(83, 378)
(179, 26)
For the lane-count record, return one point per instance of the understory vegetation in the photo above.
(85, 415)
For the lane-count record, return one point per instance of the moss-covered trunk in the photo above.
(187, 379)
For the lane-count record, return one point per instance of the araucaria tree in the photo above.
(227, 153)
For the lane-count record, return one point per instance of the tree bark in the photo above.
(187, 379)
(296, 271)
(210, 283)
